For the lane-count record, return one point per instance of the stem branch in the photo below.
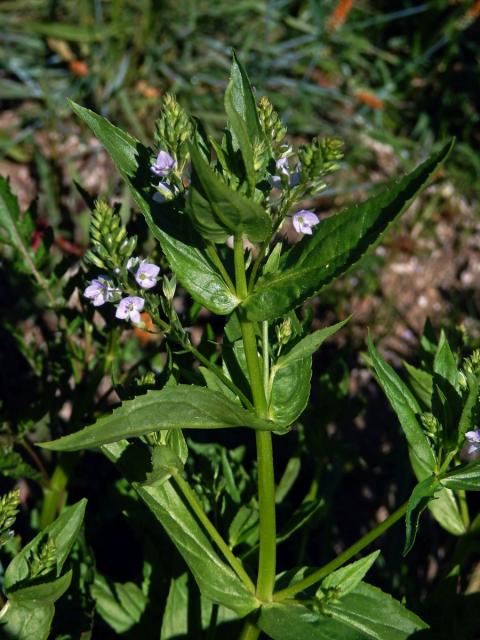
(343, 557)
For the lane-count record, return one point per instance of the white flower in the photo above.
(129, 309)
(100, 290)
(304, 220)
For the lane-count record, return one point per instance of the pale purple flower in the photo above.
(147, 274)
(284, 174)
(304, 220)
(473, 438)
(100, 290)
(129, 309)
(163, 164)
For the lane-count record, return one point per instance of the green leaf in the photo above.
(215, 579)
(467, 417)
(405, 406)
(177, 614)
(217, 211)
(179, 407)
(183, 252)
(423, 493)
(12, 465)
(364, 613)
(308, 345)
(63, 531)
(43, 593)
(27, 622)
(375, 614)
(240, 95)
(16, 229)
(421, 383)
(444, 363)
(338, 243)
(347, 578)
(290, 391)
(121, 606)
(165, 463)
(466, 477)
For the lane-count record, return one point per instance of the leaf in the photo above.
(240, 96)
(16, 229)
(467, 416)
(215, 579)
(288, 478)
(184, 254)
(404, 405)
(121, 606)
(375, 614)
(338, 243)
(466, 477)
(177, 614)
(165, 463)
(421, 383)
(27, 622)
(308, 345)
(217, 211)
(364, 613)
(444, 363)
(290, 391)
(63, 531)
(178, 407)
(306, 512)
(422, 494)
(347, 578)
(12, 465)
(43, 593)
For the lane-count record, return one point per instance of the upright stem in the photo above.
(249, 631)
(266, 480)
(343, 557)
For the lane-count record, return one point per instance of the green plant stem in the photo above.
(343, 557)
(194, 503)
(249, 631)
(266, 480)
(212, 252)
(265, 356)
(54, 494)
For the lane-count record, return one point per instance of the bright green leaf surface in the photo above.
(348, 577)
(178, 407)
(290, 391)
(308, 345)
(63, 532)
(121, 606)
(404, 405)
(364, 613)
(338, 243)
(466, 477)
(423, 493)
(214, 206)
(23, 622)
(215, 579)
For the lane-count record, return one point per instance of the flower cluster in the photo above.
(103, 289)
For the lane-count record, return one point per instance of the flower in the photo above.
(100, 290)
(163, 193)
(163, 164)
(146, 275)
(304, 220)
(129, 309)
(473, 438)
(284, 174)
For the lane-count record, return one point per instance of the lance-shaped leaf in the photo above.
(404, 405)
(242, 116)
(466, 477)
(366, 613)
(309, 344)
(346, 578)
(338, 243)
(215, 579)
(423, 493)
(178, 407)
(184, 253)
(214, 206)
